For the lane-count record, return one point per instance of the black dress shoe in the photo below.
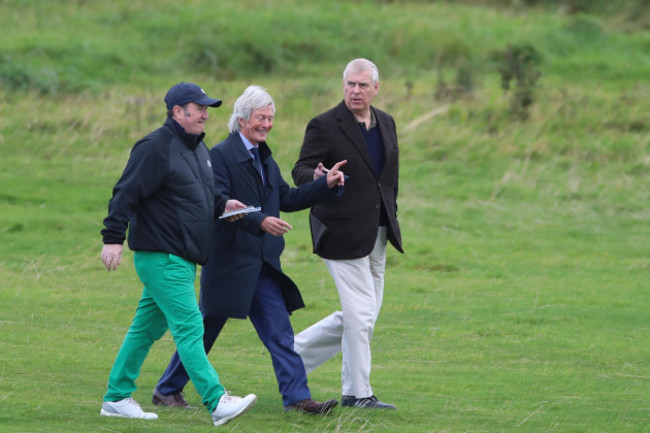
(311, 406)
(174, 399)
(370, 402)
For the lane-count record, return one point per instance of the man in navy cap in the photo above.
(166, 198)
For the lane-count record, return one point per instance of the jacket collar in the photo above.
(347, 116)
(190, 140)
(350, 128)
(243, 154)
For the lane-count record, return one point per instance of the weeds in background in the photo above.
(519, 70)
(521, 302)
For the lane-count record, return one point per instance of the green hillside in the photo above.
(521, 304)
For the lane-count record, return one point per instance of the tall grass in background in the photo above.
(70, 45)
(521, 301)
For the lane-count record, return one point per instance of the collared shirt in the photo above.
(376, 151)
(374, 144)
(250, 146)
(247, 143)
(373, 121)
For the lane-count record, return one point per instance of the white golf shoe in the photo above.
(127, 408)
(230, 407)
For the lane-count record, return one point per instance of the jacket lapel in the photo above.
(350, 128)
(386, 140)
(265, 156)
(243, 157)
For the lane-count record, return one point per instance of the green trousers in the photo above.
(168, 301)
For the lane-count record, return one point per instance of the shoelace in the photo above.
(131, 401)
(366, 401)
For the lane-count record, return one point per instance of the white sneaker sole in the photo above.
(224, 420)
(119, 415)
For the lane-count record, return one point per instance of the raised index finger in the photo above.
(338, 164)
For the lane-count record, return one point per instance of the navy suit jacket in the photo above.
(239, 249)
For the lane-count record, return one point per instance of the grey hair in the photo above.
(253, 97)
(362, 65)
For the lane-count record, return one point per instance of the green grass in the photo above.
(521, 302)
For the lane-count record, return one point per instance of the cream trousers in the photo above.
(360, 283)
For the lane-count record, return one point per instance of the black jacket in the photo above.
(165, 196)
(347, 229)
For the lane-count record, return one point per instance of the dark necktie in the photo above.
(257, 162)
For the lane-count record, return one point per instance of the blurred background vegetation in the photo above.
(538, 101)
(524, 129)
(69, 46)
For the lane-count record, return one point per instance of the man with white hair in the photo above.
(351, 235)
(243, 276)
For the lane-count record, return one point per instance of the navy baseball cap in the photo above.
(183, 93)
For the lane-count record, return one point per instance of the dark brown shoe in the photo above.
(174, 399)
(311, 406)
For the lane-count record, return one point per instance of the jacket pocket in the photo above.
(318, 231)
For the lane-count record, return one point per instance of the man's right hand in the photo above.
(233, 204)
(320, 171)
(112, 256)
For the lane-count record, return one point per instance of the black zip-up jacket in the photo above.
(165, 196)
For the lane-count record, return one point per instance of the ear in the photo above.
(178, 111)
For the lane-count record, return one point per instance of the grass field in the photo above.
(521, 304)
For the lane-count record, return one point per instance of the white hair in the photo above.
(253, 97)
(362, 65)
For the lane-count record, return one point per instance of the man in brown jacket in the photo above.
(351, 234)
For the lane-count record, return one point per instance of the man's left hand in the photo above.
(275, 226)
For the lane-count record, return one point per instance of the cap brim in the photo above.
(210, 102)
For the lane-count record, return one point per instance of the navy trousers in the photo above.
(270, 318)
